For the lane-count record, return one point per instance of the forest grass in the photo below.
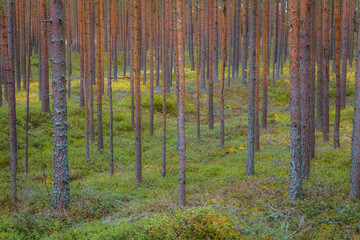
(222, 202)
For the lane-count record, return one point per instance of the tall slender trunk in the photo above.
(257, 64)
(151, 39)
(7, 31)
(223, 65)
(211, 65)
(344, 49)
(125, 35)
(180, 7)
(276, 39)
(109, 82)
(250, 168)
(202, 44)
(320, 58)
(69, 42)
(23, 42)
(45, 106)
(198, 54)
(89, 41)
(100, 70)
(237, 35)
(355, 144)
(245, 41)
(28, 77)
(84, 10)
(137, 54)
(295, 189)
(216, 43)
(61, 164)
(280, 37)
(265, 64)
(131, 44)
(338, 33)
(114, 37)
(326, 57)
(143, 37)
(164, 87)
(305, 21)
(82, 52)
(17, 45)
(191, 36)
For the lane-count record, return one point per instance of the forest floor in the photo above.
(223, 203)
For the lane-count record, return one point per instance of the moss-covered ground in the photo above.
(222, 202)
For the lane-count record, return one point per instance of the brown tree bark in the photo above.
(257, 64)
(114, 37)
(320, 65)
(180, 30)
(164, 87)
(295, 189)
(82, 51)
(28, 77)
(84, 13)
(345, 22)
(338, 33)
(151, 39)
(100, 70)
(7, 30)
(355, 144)
(244, 79)
(305, 75)
(69, 42)
(223, 65)
(326, 57)
(44, 78)
(250, 166)
(265, 64)
(89, 41)
(143, 37)
(61, 164)
(137, 58)
(109, 81)
(23, 49)
(211, 64)
(202, 44)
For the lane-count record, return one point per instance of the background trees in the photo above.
(182, 41)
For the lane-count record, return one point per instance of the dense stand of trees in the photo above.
(252, 34)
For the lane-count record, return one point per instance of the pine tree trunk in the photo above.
(338, 33)
(245, 42)
(28, 77)
(320, 57)
(151, 39)
(295, 189)
(326, 57)
(250, 168)
(265, 64)
(69, 43)
(100, 70)
(7, 31)
(344, 50)
(61, 164)
(45, 106)
(305, 74)
(355, 144)
(202, 44)
(109, 82)
(137, 58)
(180, 30)
(223, 65)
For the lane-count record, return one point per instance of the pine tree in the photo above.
(61, 164)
